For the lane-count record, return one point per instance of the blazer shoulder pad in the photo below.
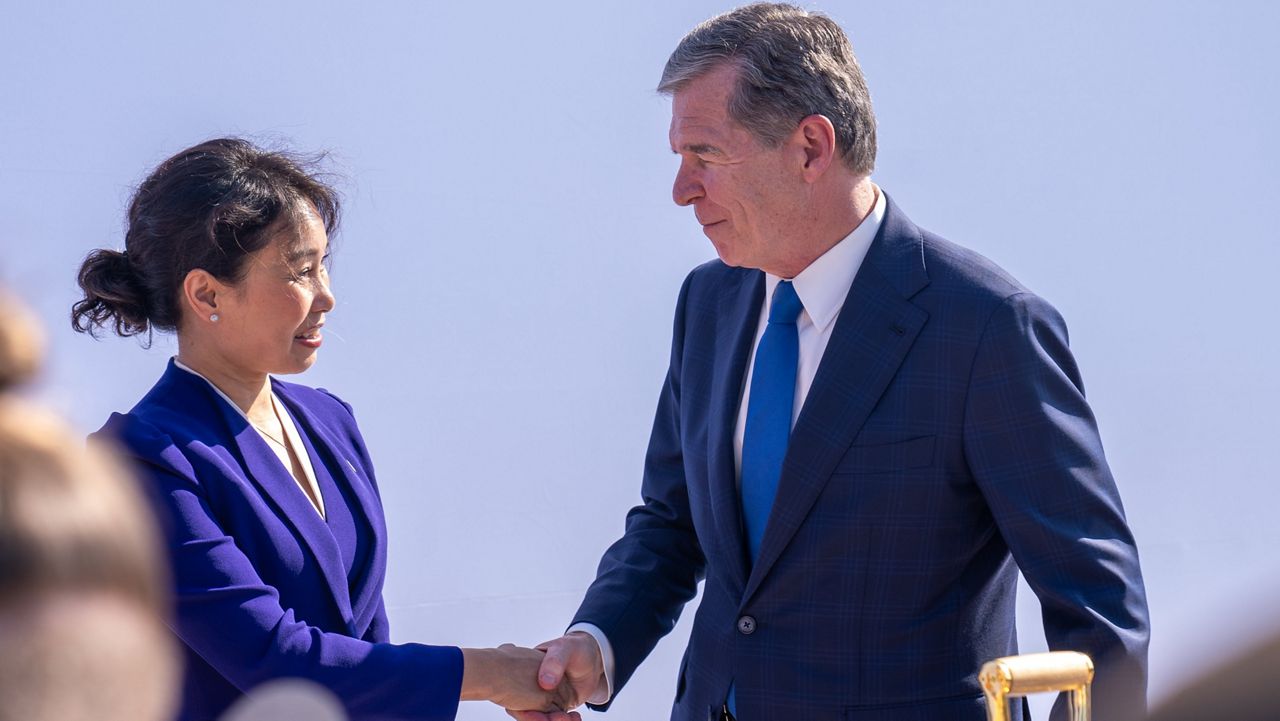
(966, 275)
(144, 442)
(320, 401)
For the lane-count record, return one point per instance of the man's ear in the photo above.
(816, 136)
(201, 293)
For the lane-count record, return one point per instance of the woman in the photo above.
(275, 526)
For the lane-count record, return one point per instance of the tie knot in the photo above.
(786, 304)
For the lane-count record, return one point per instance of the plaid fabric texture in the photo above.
(945, 443)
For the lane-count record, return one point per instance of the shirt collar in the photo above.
(824, 285)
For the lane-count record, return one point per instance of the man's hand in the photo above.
(573, 659)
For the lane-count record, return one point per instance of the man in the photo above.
(863, 428)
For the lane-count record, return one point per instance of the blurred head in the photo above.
(226, 245)
(82, 590)
(1245, 687)
(768, 102)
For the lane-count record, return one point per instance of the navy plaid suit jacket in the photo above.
(945, 438)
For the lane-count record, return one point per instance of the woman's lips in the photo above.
(310, 339)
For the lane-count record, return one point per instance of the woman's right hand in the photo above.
(508, 676)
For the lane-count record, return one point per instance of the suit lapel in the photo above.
(276, 483)
(875, 329)
(739, 314)
(327, 457)
(264, 470)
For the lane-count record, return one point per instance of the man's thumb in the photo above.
(552, 668)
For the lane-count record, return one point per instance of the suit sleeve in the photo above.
(647, 576)
(1033, 446)
(235, 621)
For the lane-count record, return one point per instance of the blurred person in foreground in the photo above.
(1244, 688)
(82, 585)
(865, 432)
(265, 489)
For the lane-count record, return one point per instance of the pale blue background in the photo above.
(510, 258)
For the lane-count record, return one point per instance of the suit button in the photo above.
(746, 625)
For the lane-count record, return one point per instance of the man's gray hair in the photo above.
(791, 64)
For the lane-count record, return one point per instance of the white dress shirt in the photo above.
(822, 288)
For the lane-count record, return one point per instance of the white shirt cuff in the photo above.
(601, 696)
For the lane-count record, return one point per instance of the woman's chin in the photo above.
(298, 363)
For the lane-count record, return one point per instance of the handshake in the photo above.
(542, 684)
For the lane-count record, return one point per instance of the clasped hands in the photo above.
(540, 684)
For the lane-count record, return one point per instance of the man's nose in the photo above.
(687, 187)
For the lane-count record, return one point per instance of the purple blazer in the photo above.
(266, 588)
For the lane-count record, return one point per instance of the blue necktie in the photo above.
(773, 393)
(769, 408)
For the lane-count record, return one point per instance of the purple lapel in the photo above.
(335, 457)
(263, 469)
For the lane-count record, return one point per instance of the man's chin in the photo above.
(725, 252)
(734, 261)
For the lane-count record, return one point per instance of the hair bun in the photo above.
(112, 295)
(21, 343)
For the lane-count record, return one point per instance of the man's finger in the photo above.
(553, 665)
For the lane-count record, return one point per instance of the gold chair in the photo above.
(1017, 676)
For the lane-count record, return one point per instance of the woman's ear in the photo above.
(200, 295)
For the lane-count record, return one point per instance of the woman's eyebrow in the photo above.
(302, 253)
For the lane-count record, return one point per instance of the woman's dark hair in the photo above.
(207, 207)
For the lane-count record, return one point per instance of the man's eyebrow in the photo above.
(699, 149)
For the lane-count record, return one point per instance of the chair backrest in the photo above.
(1017, 676)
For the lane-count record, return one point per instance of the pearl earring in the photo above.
(213, 318)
